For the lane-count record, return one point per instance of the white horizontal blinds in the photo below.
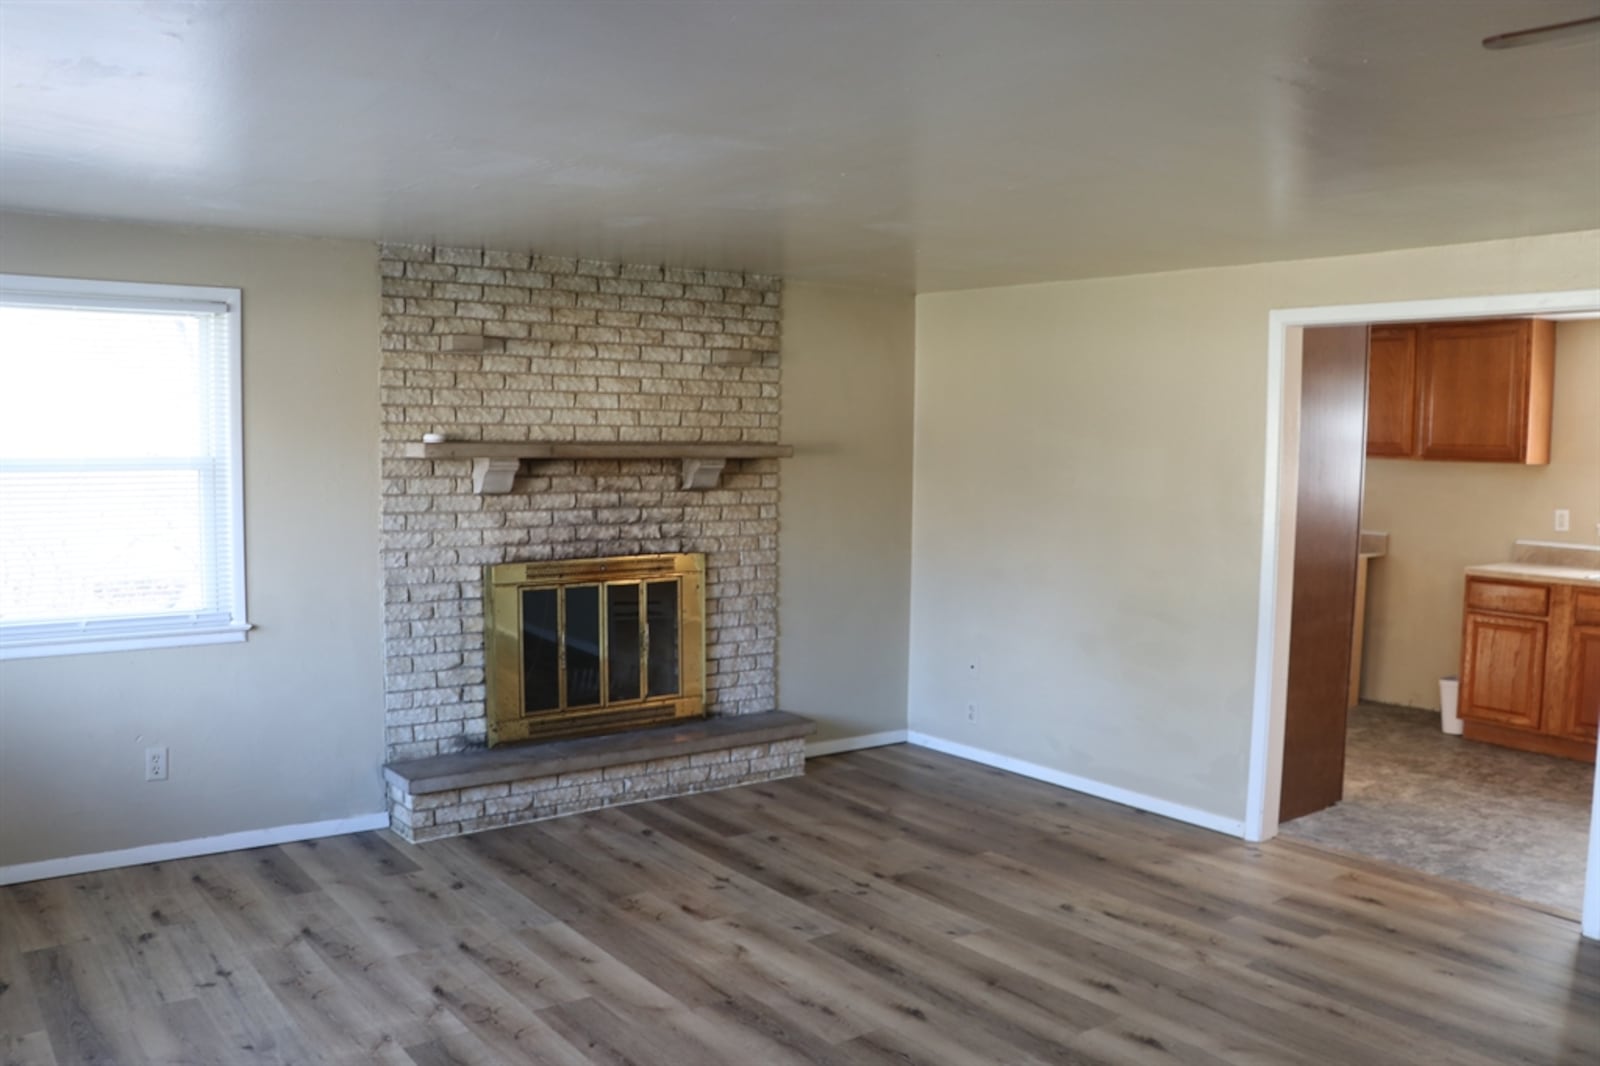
(116, 466)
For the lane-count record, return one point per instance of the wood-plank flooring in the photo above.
(892, 906)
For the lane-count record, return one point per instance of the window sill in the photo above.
(89, 645)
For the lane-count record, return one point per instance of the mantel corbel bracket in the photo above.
(493, 476)
(702, 473)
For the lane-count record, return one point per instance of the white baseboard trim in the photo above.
(186, 849)
(868, 740)
(1233, 827)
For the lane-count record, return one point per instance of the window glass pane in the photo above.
(541, 650)
(101, 544)
(661, 607)
(622, 642)
(583, 645)
(119, 499)
(133, 382)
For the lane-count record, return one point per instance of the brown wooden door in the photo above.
(1333, 395)
(1583, 710)
(1475, 392)
(1502, 666)
(1392, 391)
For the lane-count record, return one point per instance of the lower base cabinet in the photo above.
(1530, 666)
(1585, 668)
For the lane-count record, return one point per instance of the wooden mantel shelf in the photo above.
(495, 463)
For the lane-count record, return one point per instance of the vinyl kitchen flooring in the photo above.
(892, 906)
(1507, 821)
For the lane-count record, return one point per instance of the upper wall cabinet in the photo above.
(1392, 390)
(1477, 391)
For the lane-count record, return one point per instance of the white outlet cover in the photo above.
(1563, 520)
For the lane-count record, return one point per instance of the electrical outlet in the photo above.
(972, 712)
(1563, 520)
(155, 764)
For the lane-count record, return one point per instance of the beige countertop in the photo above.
(1559, 575)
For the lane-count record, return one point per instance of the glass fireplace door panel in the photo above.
(583, 645)
(541, 651)
(661, 627)
(624, 642)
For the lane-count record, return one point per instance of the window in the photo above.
(121, 512)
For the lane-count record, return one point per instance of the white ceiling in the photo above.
(917, 144)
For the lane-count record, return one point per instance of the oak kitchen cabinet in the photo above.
(1392, 390)
(1530, 665)
(1476, 390)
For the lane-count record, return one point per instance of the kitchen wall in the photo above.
(1087, 504)
(287, 727)
(1442, 517)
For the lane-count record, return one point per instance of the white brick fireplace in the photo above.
(506, 347)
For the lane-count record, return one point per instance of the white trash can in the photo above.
(1449, 693)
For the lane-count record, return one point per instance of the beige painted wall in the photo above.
(287, 727)
(844, 544)
(1442, 517)
(1087, 509)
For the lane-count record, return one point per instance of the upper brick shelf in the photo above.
(495, 463)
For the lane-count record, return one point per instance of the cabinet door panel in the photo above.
(1503, 670)
(1587, 608)
(1392, 391)
(1583, 710)
(1472, 378)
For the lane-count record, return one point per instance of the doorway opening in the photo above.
(1278, 594)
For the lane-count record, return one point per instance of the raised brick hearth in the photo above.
(451, 794)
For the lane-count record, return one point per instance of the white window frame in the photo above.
(23, 641)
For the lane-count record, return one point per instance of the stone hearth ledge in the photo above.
(448, 795)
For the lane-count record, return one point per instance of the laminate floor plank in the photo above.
(455, 1049)
(392, 991)
(1011, 1025)
(248, 911)
(639, 1038)
(891, 1047)
(82, 1029)
(1174, 940)
(510, 1027)
(19, 1007)
(526, 975)
(790, 976)
(26, 1049)
(605, 978)
(456, 868)
(720, 891)
(236, 998)
(760, 976)
(44, 914)
(181, 1034)
(728, 850)
(893, 907)
(136, 958)
(330, 1021)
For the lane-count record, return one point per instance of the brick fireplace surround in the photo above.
(572, 351)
